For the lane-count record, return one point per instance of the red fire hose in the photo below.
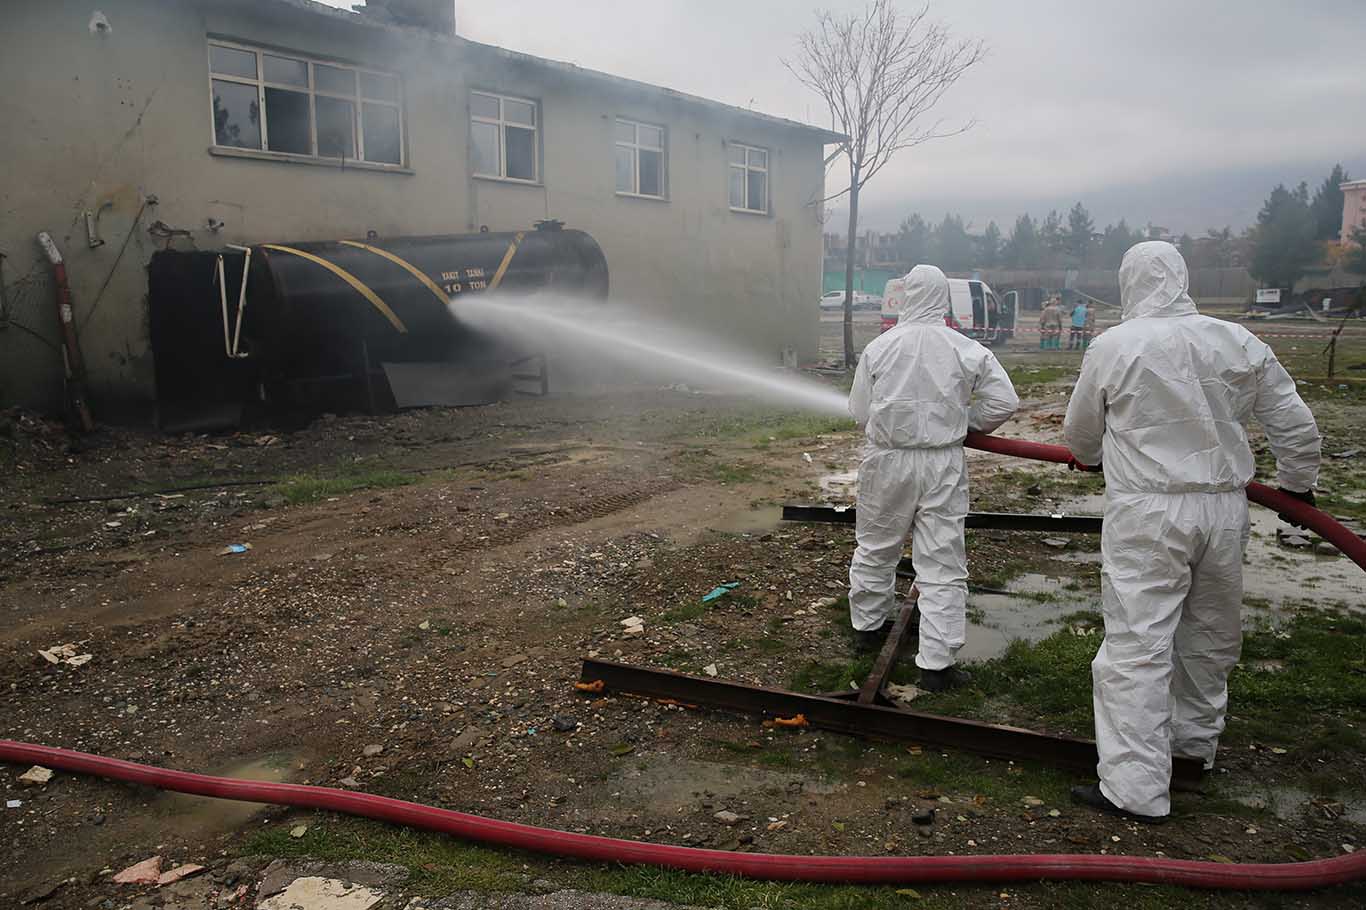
(1288, 507)
(870, 870)
(1319, 873)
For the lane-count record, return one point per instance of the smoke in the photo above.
(621, 342)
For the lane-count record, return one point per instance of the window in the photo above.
(640, 159)
(297, 106)
(748, 178)
(503, 136)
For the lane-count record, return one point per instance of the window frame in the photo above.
(502, 123)
(636, 148)
(357, 99)
(747, 168)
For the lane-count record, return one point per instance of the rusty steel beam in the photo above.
(851, 717)
(870, 693)
(998, 521)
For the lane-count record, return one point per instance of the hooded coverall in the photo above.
(918, 388)
(1165, 397)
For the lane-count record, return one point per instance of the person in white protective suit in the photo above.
(1162, 402)
(918, 388)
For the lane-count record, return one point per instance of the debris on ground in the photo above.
(710, 670)
(316, 893)
(144, 873)
(372, 750)
(36, 776)
(68, 654)
(720, 590)
(1057, 543)
(233, 549)
(729, 818)
(298, 831)
(179, 872)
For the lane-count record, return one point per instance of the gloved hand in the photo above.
(1306, 497)
(1074, 465)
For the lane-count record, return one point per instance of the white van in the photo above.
(975, 310)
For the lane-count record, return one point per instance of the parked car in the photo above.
(974, 310)
(834, 300)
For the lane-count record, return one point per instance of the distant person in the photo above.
(918, 389)
(1074, 339)
(1050, 325)
(1165, 397)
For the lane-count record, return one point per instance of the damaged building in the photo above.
(353, 168)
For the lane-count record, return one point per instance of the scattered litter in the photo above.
(372, 750)
(174, 875)
(728, 818)
(710, 670)
(777, 826)
(233, 549)
(633, 621)
(424, 625)
(903, 694)
(298, 831)
(36, 776)
(1054, 813)
(113, 524)
(315, 891)
(806, 457)
(1057, 543)
(65, 654)
(595, 686)
(720, 590)
(1032, 802)
(798, 720)
(1346, 453)
(501, 516)
(144, 873)
(13, 803)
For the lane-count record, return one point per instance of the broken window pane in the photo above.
(287, 121)
(626, 164)
(334, 79)
(737, 187)
(336, 127)
(758, 184)
(484, 106)
(283, 69)
(379, 87)
(381, 134)
(521, 153)
(236, 115)
(651, 173)
(230, 61)
(519, 112)
(484, 144)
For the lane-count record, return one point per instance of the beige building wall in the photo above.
(118, 121)
(1353, 208)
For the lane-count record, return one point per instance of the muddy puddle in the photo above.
(1273, 575)
(1034, 609)
(752, 520)
(1288, 803)
(670, 783)
(197, 815)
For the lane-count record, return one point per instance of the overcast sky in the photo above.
(1179, 113)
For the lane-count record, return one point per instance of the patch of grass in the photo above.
(1023, 375)
(703, 464)
(300, 489)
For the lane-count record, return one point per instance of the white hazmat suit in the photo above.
(1163, 400)
(918, 388)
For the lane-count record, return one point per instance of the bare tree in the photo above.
(880, 72)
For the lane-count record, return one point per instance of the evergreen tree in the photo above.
(1115, 243)
(953, 247)
(913, 241)
(989, 246)
(1326, 208)
(1284, 239)
(1077, 240)
(1024, 249)
(1050, 233)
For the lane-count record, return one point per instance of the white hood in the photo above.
(1153, 282)
(926, 296)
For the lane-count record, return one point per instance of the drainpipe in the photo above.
(71, 352)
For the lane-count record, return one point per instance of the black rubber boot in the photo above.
(866, 642)
(944, 680)
(1091, 795)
